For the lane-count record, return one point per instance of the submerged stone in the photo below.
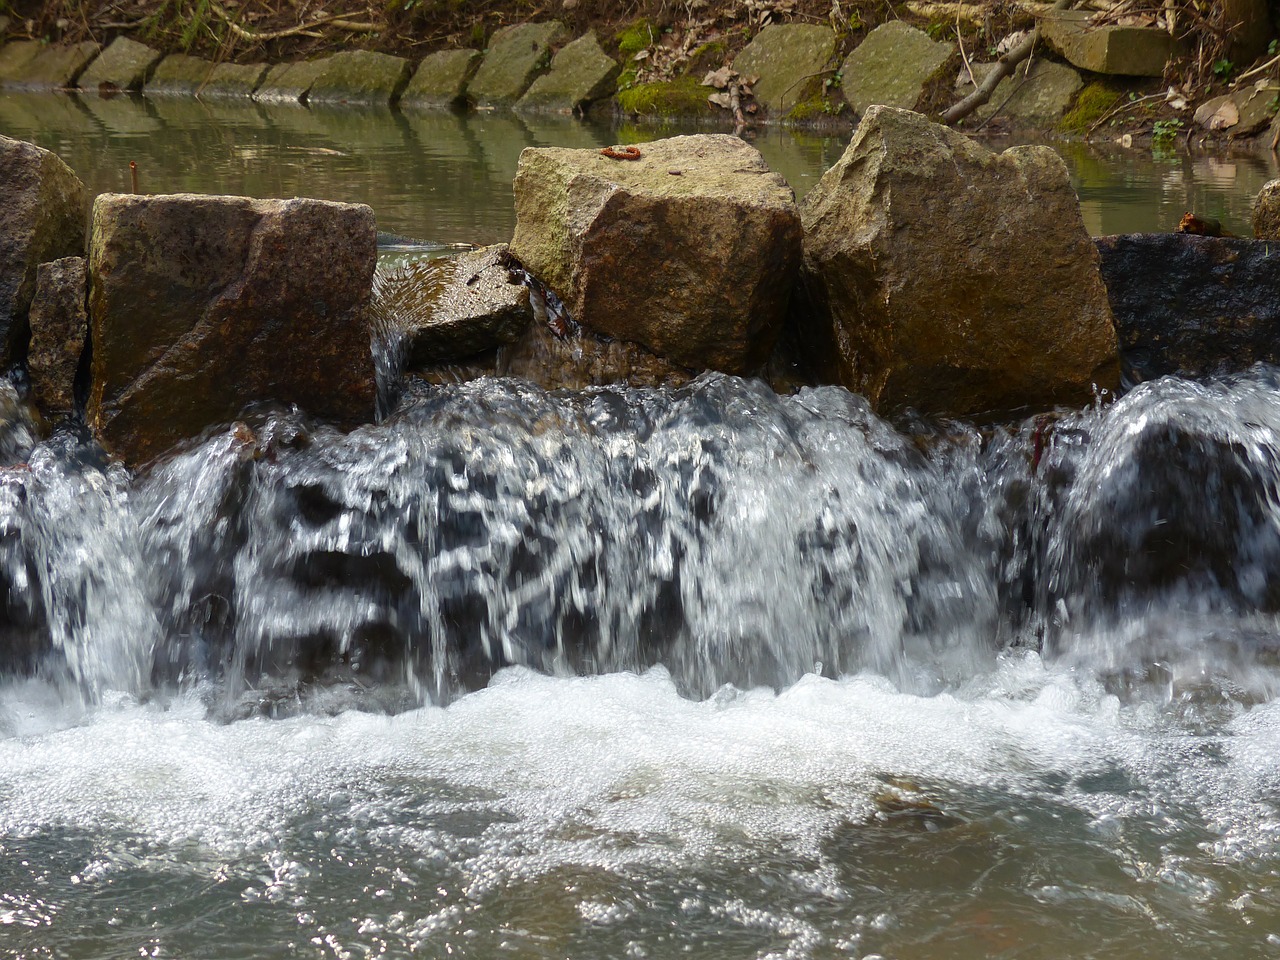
(124, 65)
(1192, 306)
(941, 276)
(451, 308)
(360, 76)
(516, 56)
(289, 82)
(42, 219)
(441, 79)
(59, 324)
(1107, 48)
(892, 66)
(200, 306)
(580, 73)
(690, 249)
(789, 59)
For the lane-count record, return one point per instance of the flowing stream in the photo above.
(635, 673)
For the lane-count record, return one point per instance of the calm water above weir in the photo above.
(776, 680)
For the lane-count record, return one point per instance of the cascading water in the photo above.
(652, 672)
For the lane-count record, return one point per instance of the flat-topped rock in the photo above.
(1107, 48)
(59, 324)
(892, 66)
(452, 308)
(42, 218)
(235, 79)
(581, 72)
(946, 278)
(360, 76)
(55, 67)
(516, 56)
(1039, 97)
(1239, 114)
(289, 82)
(200, 306)
(789, 59)
(690, 249)
(124, 65)
(179, 74)
(1192, 306)
(441, 79)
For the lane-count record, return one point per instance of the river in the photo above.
(637, 673)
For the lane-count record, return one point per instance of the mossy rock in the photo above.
(709, 56)
(1092, 104)
(685, 97)
(817, 108)
(630, 41)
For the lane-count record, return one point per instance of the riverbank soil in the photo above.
(1226, 48)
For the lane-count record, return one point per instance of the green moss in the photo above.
(709, 56)
(1092, 104)
(673, 98)
(631, 40)
(816, 107)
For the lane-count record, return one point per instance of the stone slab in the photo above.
(441, 79)
(59, 324)
(789, 59)
(235, 79)
(179, 74)
(290, 82)
(124, 65)
(581, 72)
(1109, 49)
(516, 56)
(892, 66)
(1193, 306)
(56, 67)
(360, 76)
(16, 57)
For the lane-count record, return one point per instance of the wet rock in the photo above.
(516, 56)
(1266, 212)
(289, 82)
(941, 276)
(360, 76)
(179, 74)
(1240, 114)
(202, 305)
(1107, 48)
(235, 79)
(1039, 98)
(42, 218)
(452, 308)
(892, 66)
(54, 67)
(59, 323)
(441, 79)
(124, 65)
(580, 74)
(1194, 306)
(789, 59)
(581, 359)
(690, 250)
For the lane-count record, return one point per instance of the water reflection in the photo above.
(448, 178)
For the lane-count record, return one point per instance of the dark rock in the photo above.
(200, 306)
(691, 250)
(944, 277)
(1194, 306)
(59, 324)
(452, 308)
(581, 359)
(42, 218)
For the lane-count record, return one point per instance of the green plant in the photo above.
(1164, 132)
(1222, 68)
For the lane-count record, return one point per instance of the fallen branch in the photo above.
(1004, 67)
(302, 30)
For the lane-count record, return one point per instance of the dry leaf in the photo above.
(1226, 116)
(719, 100)
(719, 78)
(642, 55)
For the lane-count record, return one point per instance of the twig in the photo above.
(1127, 105)
(1256, 70)
(302, 30)
(964, 57)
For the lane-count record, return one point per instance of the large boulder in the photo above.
(200, 306)
(944, 277)
(59, 324)
(580, 74)
(451, 308)
(42, 218)
(1189, 305)
(691, 249)
(893, 66)
(789, 59)
(516, 56)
